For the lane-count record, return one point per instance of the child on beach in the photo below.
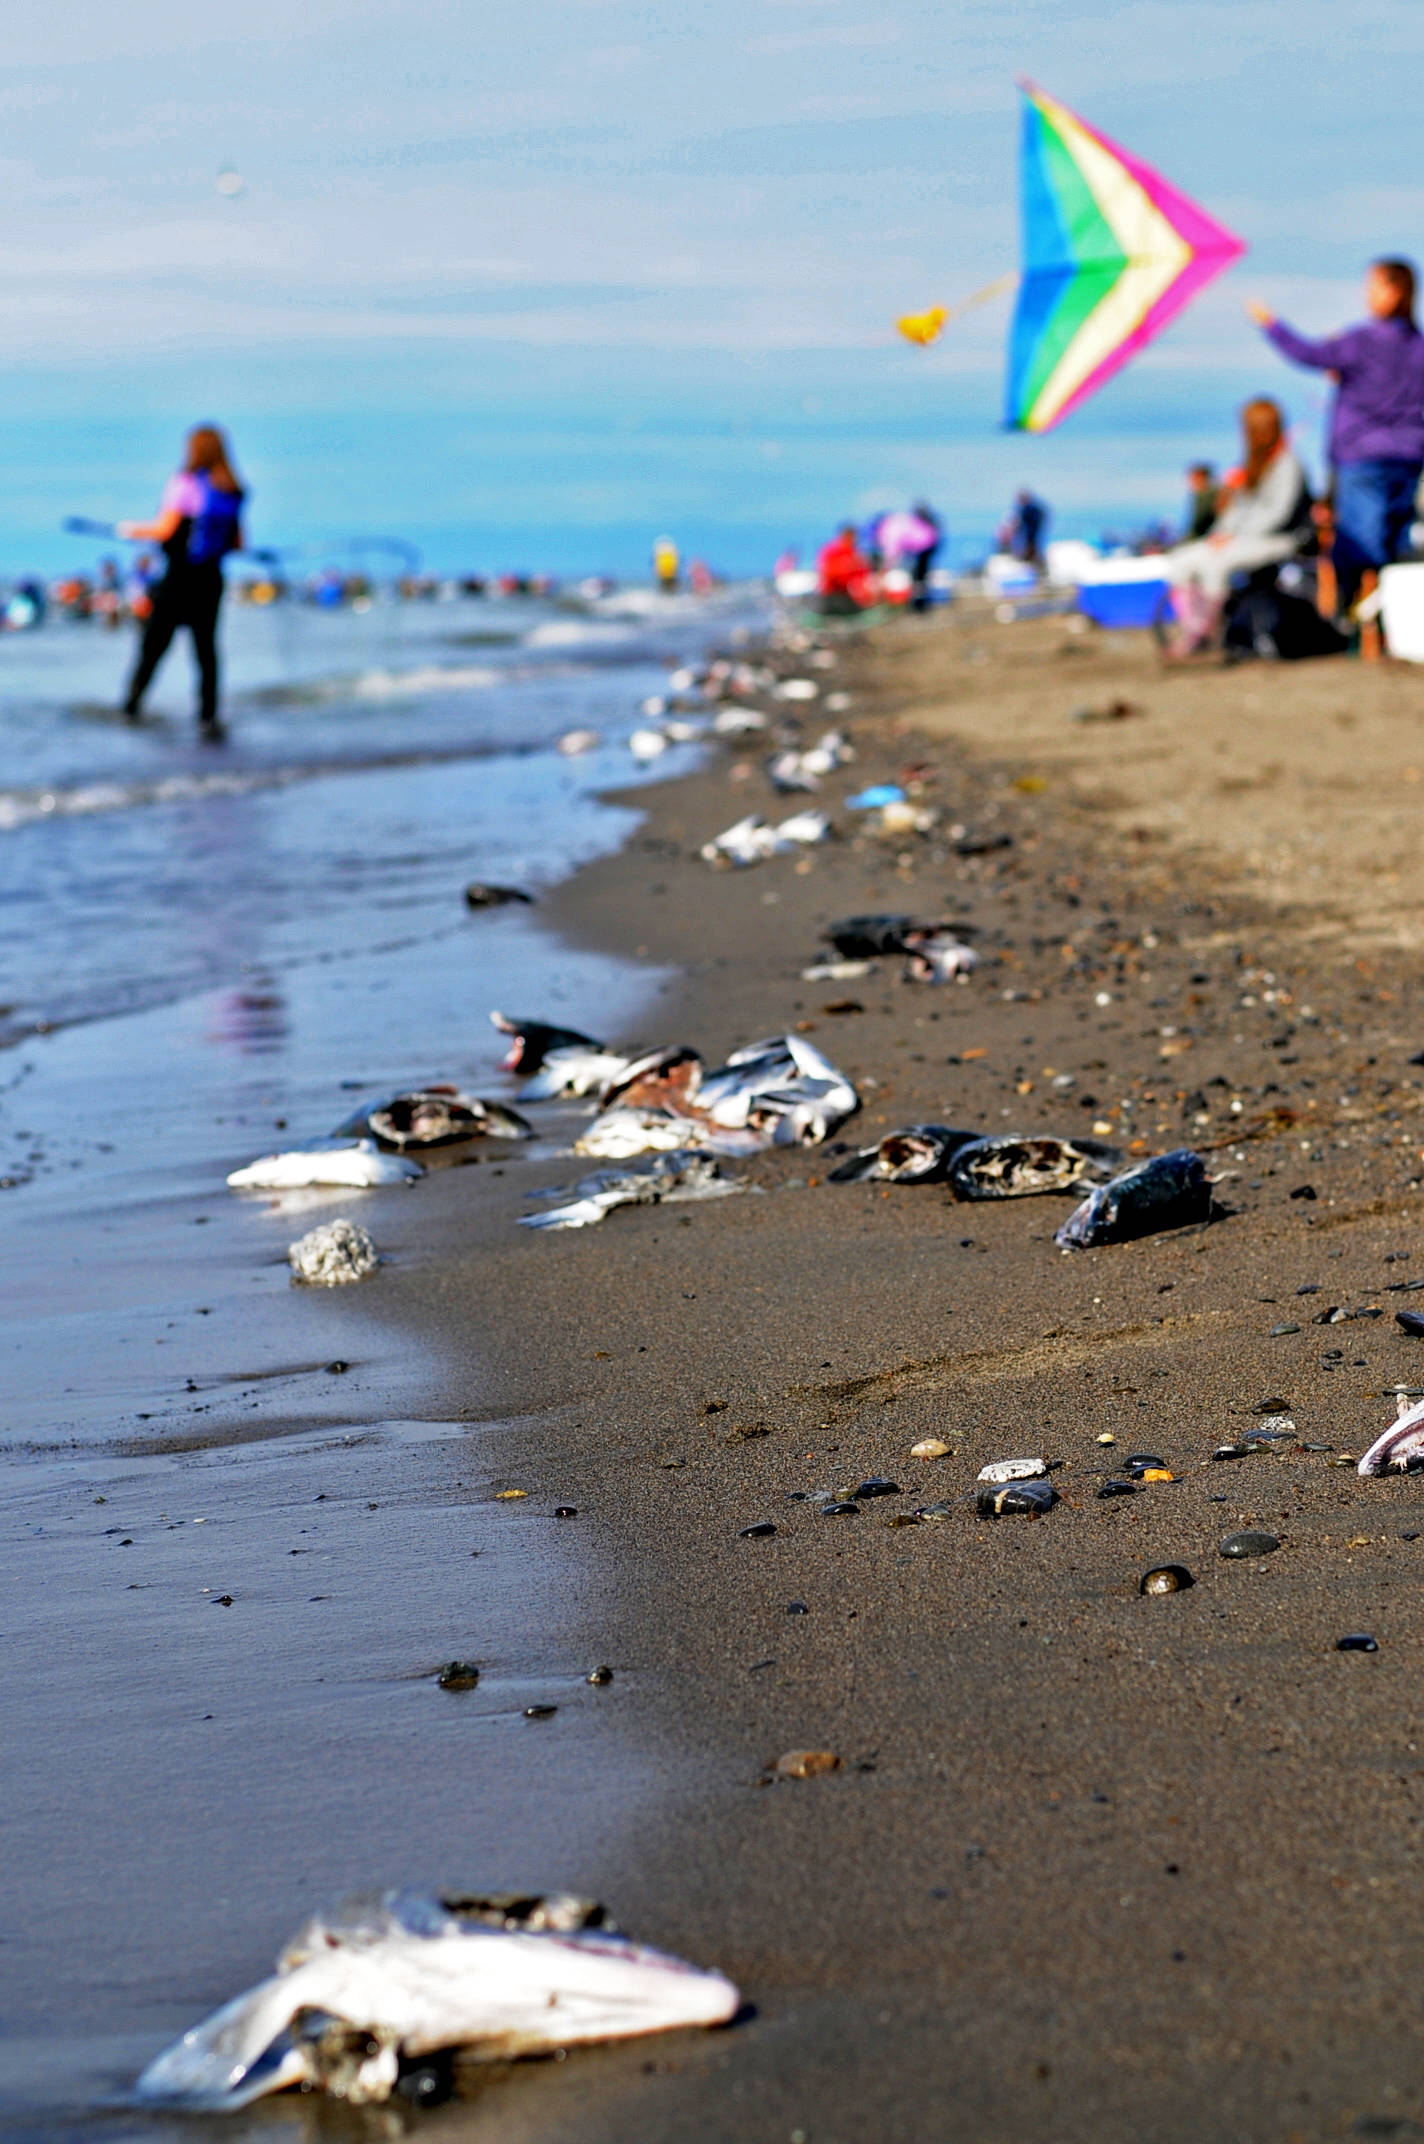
(199, 521)
(1263, 516)
(1377, 425)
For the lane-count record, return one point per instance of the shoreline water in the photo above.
(1118, 1818)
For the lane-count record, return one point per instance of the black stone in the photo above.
(479, 895)
(334, 1369)
(1239, 1546)
(1359, 1641)
(797, 1608)
(540, 1712)
(840, 1511)
(878, 1486)
(1304, 1191)
(1279, 1332)
(1015, 1499)
(1118, 1488)
(1410, 1321)
(1230, 1451)
(934, 1514)
(762, 1531)
(1144, 1459)
(458, 1675)
(428, 2082)
(599, 1677)
(565, 1511)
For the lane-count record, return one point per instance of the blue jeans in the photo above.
(1374, 507)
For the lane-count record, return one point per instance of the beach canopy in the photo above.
(1111, 254)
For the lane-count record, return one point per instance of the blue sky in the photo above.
(530, 284)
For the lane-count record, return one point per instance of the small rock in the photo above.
(1015, 1499)
(1166, 1578)
(1230, 1451)
(1107, 1437)
(1278, 1332)
(797, 1608)
(934, 1514)
(1410, 1321)
(1118, 1488)
(458, 1675)
(806, 1763)
(1013, 1470)
(841, 1510)
(1304, 1191)
(929, 1448)
(599, 1677)
(761, 1531)
(333, 1255)
(479, 895)
(1239, 1546)
(335, 1369)
(1359, 1641)
(540, 1712)
(565, 1511)
(878, 1486)
(905, 1518)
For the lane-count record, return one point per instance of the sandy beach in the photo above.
(1092, 1865)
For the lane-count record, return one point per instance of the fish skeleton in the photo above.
(355, 1165)
(1007, 1167)
(393, 1976)
(656, 1179)
(1400, 1448)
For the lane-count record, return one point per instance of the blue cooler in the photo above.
(1124, 591)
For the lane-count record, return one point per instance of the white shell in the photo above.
(1013, 1470)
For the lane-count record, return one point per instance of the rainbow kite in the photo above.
(1112, 253)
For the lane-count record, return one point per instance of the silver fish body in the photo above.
(351, 1164)
(406, 1974)
(654, 1179)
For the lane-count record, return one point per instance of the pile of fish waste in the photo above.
(1169, 1191)
(780, 1091)
(933, 952)
(333, 1255)
(751, 840)
(365, 1997)
(1400, 1448)
(1006, 1166)
(655, 1179)
(351, 1164)
(438, 1115)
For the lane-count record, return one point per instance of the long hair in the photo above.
(1263, 428)
(1400, 277)
(207, 455)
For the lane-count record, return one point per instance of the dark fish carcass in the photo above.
(1169, 1191)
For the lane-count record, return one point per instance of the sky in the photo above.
(529, 285)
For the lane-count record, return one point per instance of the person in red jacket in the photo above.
(844, 575)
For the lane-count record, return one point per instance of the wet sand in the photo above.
(1093, 1866)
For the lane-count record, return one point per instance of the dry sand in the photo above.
(1093, 1867)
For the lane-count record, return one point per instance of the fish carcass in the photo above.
(557, 1061)
(1169, 1191)
(363, 1994)
(921, 1154)
(781, 1092)
(1400, 1448)
(671, 1178)
(350, 1164)
(1009, 1167)
(437, 1115)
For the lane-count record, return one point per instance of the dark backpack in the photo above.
(1278, 624)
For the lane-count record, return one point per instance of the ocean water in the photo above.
(208, 951)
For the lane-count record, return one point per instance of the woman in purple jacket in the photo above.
(199, 521)
(1377, 427)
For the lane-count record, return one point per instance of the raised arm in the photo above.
(1332, 353)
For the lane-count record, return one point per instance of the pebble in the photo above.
(1249, 1544)
(565, 1511)
(1359, 1641)
(1107, 1437)
(1410, 1321)
(458, 1675)
(905, 1518)
(929, 1448)
(599, 1677)
(762, 1530)
(797, 1608)
(1166, 1578)
(1013, 1470)
(1118, 1488)
(1273, 1405)
(540, 1712)
(1015, 1499)
(934, 1514)
(1278, 1332)
(806, 1763)
(840, 1511)
(878, 1486)
(335, 1369)
(1230, 1451)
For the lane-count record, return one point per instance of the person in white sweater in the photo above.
(1263, 517)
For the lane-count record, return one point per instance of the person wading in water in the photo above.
(199, 521)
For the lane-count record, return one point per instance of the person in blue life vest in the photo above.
(199, 521)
